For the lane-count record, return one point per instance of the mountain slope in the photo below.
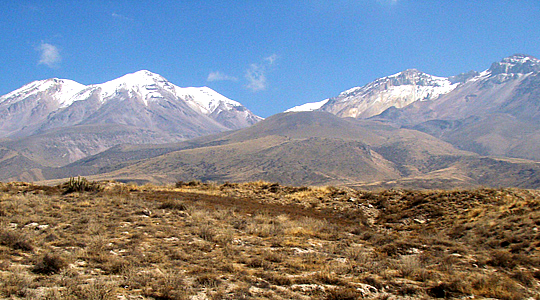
(311, 148)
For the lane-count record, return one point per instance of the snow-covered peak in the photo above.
(142, 77)
(397, 90)
(414, 77)
(516, 64)
(143, 82)
(61, 90)
(308, 106)
(419, 85)
(139, 88)
(204, 99)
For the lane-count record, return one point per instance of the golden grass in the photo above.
(261, 240)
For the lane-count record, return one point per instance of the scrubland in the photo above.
(260, 240)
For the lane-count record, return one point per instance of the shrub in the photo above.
(208, 280)
(16, 283)
(15, 240)
(191, 183)
(501, 258)
(448, 289)
(80, 184)
(50, 263)
(173, 204)
(95, 290)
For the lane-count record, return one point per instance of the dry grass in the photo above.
(266, 241)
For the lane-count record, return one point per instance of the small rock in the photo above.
(305, 288)
(414, 251)
(31, 225)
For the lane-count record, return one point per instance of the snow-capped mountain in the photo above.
(143, 99)
(494, 112)
(445, 97)
(517, 63)
(398, 90)
(509, 86)
(54, 122)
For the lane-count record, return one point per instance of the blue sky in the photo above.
(268, 55)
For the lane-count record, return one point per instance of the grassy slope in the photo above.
(266, 241)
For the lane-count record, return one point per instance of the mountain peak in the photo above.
(142, 77)
(144, 82)
(410, 72)
(60, 89)
(413, 77)
(398, 90)
(517, 63)
(521, 58)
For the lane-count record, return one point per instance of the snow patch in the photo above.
(308, 106)
(204, 99)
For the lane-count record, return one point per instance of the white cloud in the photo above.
(256, 73)
(49, 55)
(256, 77)
(219, 76)
(121, 17)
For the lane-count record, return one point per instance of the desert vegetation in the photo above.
(260, 240)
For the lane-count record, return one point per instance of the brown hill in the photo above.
(314, 148)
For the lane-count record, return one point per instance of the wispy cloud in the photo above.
(219, 76)
(256, 77)
(271, 59)
(121, 17)
(256, 73)
(49, 55)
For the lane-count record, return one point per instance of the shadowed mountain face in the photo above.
(308, 148)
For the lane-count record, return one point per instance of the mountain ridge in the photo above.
(54, 122)
(311, 148)
(470, 110)
(45, 104)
